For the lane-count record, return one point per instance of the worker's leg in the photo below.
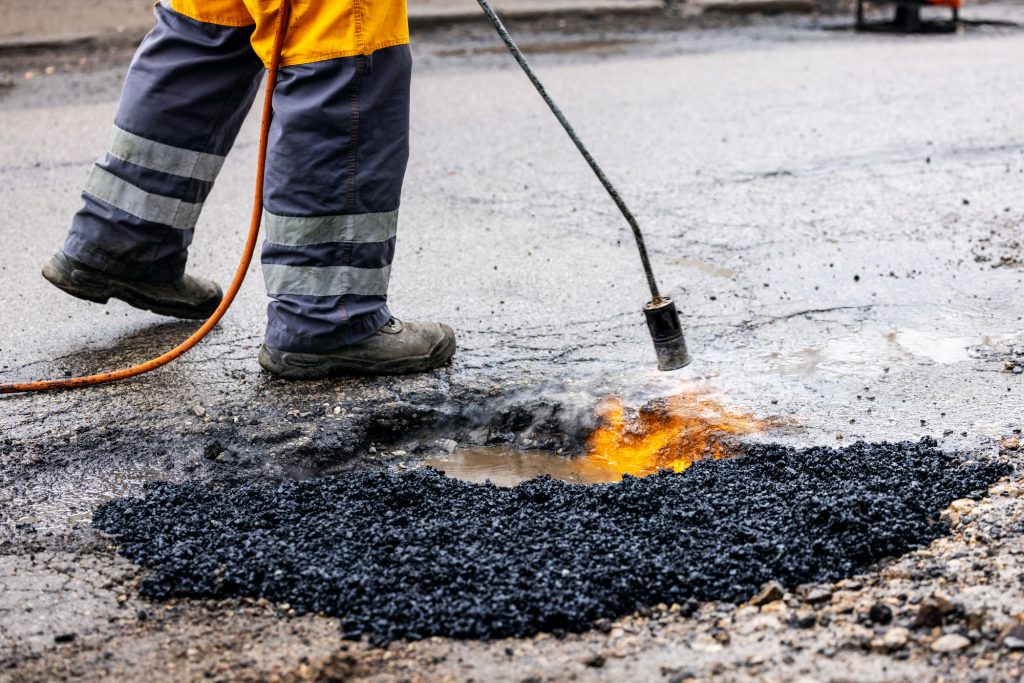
(189, 87)
(339, 144)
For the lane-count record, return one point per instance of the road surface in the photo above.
(837, 215)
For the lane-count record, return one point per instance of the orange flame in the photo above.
(668, 433)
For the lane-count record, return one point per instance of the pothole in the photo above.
(669, 433)
(421, 554)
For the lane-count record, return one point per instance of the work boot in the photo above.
(188, 297)
(397, 348)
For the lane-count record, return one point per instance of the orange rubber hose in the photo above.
(243, 266)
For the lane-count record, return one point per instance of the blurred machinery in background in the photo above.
(907, 17)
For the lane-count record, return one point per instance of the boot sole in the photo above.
(291, 365)
(87, 286)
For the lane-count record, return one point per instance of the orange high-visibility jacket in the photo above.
(318, 30)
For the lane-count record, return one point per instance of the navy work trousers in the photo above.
(339, 145)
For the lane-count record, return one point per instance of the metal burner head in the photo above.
(667, 333)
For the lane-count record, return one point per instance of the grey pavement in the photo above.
(818, 215)
(837, 215)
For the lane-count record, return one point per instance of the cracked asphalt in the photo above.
(837, 215)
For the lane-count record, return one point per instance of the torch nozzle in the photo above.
(667, 333)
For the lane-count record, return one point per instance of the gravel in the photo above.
(419, 554)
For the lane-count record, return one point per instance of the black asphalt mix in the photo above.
(417, 555)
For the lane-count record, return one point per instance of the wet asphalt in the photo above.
(837, 215)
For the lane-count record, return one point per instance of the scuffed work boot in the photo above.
(190, 298)
(399, 347)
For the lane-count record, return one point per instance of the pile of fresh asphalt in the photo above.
(419, 554)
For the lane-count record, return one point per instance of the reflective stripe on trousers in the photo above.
(337, 157)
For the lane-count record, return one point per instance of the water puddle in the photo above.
(70, 502)
(872, 350)
(705, 267)
(940, 350)
(505, 466)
